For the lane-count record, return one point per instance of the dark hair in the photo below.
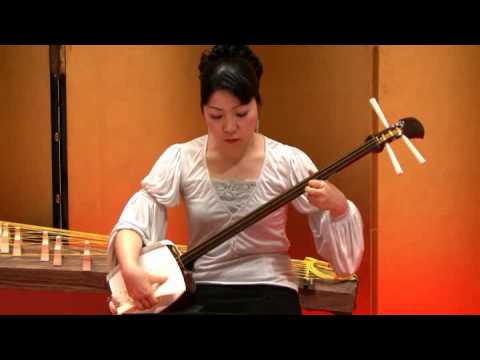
(235, 68)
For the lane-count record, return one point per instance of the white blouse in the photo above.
(257, 255)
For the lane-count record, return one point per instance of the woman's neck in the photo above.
(231, 153)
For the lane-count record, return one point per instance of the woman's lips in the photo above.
(231, 141)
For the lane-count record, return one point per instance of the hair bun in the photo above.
(220, 52)
(225, 51)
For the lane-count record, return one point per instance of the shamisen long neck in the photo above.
(373, 143)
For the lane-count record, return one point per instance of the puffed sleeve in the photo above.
(340, 241)
(143, 215)
(145, 212)
(163, 181)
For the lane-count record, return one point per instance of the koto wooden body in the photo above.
(318, 284)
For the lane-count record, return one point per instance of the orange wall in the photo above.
(428, 218)
(25, 128)
(26, 180)
(126, 104)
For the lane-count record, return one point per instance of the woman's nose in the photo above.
(230, 125)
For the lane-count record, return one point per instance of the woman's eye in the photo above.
(243, 114)
(216, 117)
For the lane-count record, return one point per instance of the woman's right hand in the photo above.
(141, 286)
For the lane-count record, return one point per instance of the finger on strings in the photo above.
(313, 191)
(317, 183)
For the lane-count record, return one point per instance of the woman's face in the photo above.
(231, 124)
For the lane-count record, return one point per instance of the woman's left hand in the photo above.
(326, 196)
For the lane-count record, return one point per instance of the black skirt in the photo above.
(210, 299)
